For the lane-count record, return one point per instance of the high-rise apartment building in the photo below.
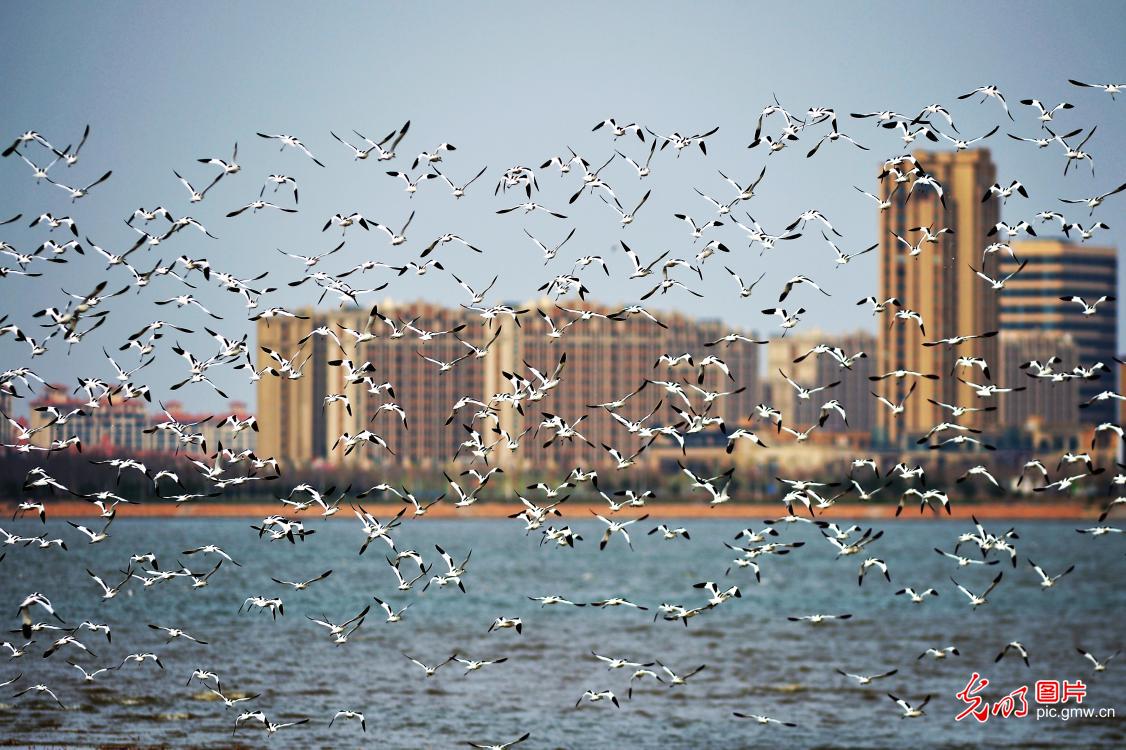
(854, 391)
(937, 283)
(606, 359)
(5, 427)
(299, 426)
(1046, 402)
(121, 427)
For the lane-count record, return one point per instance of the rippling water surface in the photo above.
(757, 661)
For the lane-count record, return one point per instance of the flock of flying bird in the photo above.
(776, 130)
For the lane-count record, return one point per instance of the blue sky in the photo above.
(513, 83)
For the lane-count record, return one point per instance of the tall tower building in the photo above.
(1031, 302)
(938, 284)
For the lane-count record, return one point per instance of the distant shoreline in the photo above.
(1057, 510)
